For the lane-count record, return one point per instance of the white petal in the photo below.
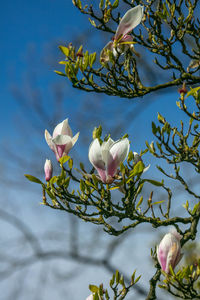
(129, 21)
(62, 139)
(107, 144)
(95, 156)
(175, 233)
(62, 128)
(120, 149)
(173, 255)
(66, 128)
(118, 153)
(58, 129)
(75, 138)
(68, 146)
(105, 147)
(48, 139)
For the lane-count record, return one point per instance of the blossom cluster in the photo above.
(105, 157)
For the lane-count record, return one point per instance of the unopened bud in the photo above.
(169, 251)
(48, 169)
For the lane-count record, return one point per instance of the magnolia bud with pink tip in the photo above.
(169, 251)
(48, 169)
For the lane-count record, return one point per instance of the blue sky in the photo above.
(36, 24)
(31, 23)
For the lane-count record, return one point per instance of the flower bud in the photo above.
(169, 251)
(48, 169)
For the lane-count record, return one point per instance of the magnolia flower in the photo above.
(107, 157)
(169, 251)
(62, 140)
(122, 40)
(48, 169)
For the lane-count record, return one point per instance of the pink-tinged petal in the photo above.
(169, 251)
(162, 258)
(48, 169)
(95, 157)
(63, 145)
(127, 38)
(75, 138)
(129, 21)
(102, 174)
(119, 152)
(104, 56)
(60, 150)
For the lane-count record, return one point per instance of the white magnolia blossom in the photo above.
(48, 169)
(62, 139)
(122, 41)
(169, 250)
(107, 157)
